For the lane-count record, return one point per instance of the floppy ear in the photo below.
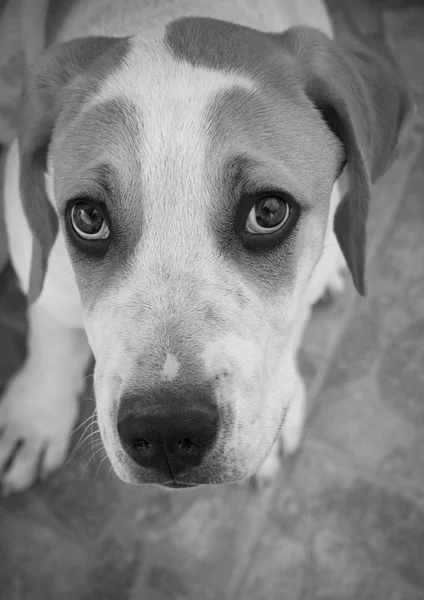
(50, 87)
(365, 101)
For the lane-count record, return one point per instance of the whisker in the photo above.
(82, 439)
(81, 424)
(105, 457)
(87, 427)
(88, 462)
(88, 437)
(89, 376)
(112, 467)
(98, 444)
(92, 430)
(87, 398)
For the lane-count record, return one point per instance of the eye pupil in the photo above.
(88, 222)
(87, 219)
(270, 211)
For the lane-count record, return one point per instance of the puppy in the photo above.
(173, 204)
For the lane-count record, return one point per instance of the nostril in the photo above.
(131, 439)
(168, 439)
(139, 444)
(188, 445)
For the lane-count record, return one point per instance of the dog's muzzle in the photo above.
(168, 432)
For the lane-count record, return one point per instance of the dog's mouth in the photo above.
(176, 485)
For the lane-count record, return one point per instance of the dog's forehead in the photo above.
(151, 106)
(152, 70)
(191, 83)
(225, 51)
(226, 46)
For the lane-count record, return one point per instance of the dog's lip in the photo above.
(178, 485)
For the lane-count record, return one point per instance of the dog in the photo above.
(188, 179)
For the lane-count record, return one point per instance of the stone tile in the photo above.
(401, 373)
(324, 326)
(280, 563)
(199, 553)
(359, 349)
(359, 529)
(399, 5)
(389, 193)
(339, 568)
(388, 526)
(405, 37)
(82, 499)
(278, 570)
(386, 587)
(306, 549)
(165, 583)
(370, 404)
(38, 560)
(397, 277)
(399, 258)
(373, 427)
(361, 342)
(115, 565)
(354, 420)
(358, 420)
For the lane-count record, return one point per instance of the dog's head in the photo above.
(192, 175)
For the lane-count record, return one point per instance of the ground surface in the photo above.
(345, 521)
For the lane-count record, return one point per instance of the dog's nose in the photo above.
(170, 436)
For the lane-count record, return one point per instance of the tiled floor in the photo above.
(345, 519)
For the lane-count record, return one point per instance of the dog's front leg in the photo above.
(40, 406)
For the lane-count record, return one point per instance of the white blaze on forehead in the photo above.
(171, 94)
(171, 98)
(170, 368)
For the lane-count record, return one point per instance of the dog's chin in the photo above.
(176, 485)
(180, 486)
(137, 479)
(131, 475)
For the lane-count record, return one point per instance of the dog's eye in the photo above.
(268, 215)
(88, 222)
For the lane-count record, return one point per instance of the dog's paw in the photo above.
(289, 439)
(36, 422)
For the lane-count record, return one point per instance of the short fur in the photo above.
(170, 119)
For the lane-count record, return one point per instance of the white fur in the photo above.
(170, 368)
(40, 405)
(327, 277)
(218, 354)
(60, 296)
(252, 359)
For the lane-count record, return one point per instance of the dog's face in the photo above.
(194, 201)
